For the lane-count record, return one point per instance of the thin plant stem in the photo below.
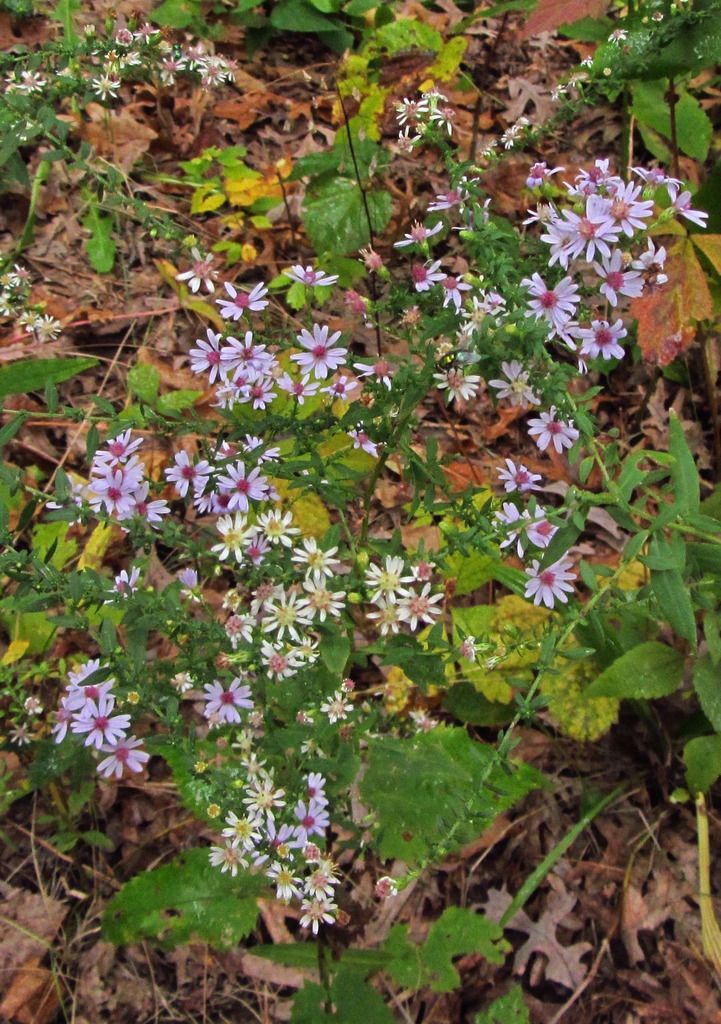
(366, 209)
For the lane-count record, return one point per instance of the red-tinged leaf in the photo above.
(710, 246)
(550, 14)
(666, 317)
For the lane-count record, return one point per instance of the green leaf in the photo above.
(50, 539)
(466, 704)
(144, 381)
(684, 474)
(183, 900)
(334, 216)
(177, 13)
(63, 12)
(11, 428)
(354, 1002)
(674, 602)
(33, 374)
(299, 16)
(693, 126)
(702, 757)
(508, 1009)
(176, 402)
(456, 932)
(334, 650)
(100, 247)
(707, 684)
(440, 769)
(650, 669)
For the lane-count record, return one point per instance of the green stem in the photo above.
(27, 236)
(536, 877)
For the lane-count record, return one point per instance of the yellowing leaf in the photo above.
(97, 546)
(15, 652)
(248, 190)
(710, 246)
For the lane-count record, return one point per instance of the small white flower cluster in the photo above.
(279, 618)
(401, 594)
(14, 296)
(287, 852)
(87, 709)
(416, 116)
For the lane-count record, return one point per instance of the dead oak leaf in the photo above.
(548, 15)
(563, 963)
(117, 134)
(664, 898)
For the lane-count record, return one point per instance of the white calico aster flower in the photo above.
(459, 384)
(235, 532)
(224, 704)
(602, 339)
(126, 753)
(418, 234)
(286, 613)
(320, 601)
(516, 387)
(546, 429)
(201, 272)
(279, 664)
(387, 616)
(320, 356)
(425, 275)
(277, 527)
(337, 707)
(557, 305)
(386, 581)
(287, 885)
(415, 607)
(243, 832)
(317, 912)
(311, 278)
(361, 440)
(551, 584)
(318, 564)
(518, 477)
(227, 858)
(616, 280)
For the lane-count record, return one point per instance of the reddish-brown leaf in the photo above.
(549, 14)
(667, 317)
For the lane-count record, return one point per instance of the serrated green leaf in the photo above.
(650, 669)
(425, 793)
(33, 374)
(674, 601)
(183, 900)
(144, 381)
(707, 684)
(334, 216)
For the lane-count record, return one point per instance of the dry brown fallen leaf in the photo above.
(116, 134)
(30, 923)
